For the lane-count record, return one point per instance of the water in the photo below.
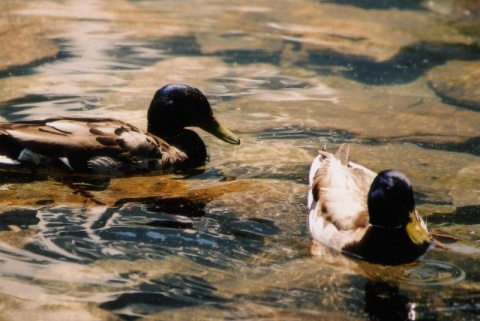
(395, 80)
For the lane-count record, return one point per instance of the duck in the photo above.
(361, 214)
(111, 147)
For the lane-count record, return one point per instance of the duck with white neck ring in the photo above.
(361, 214)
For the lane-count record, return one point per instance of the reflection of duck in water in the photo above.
(107, 146)
(141, 227)
(383, 301)
(361, 214)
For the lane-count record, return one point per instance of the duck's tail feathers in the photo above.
(317, 164)
(342, 154)
(314, 168)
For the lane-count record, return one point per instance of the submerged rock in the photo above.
(458, 83)
(23, 39)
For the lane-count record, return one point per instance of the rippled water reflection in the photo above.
(153, 229)
(396, 80)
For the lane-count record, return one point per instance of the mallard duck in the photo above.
(361, 214)
(107, 146)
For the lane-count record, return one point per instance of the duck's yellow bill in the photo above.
(218, 130)
(416, 230)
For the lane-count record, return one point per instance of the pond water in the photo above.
(398, 80)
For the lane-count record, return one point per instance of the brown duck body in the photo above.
(361, 214)
(84, 145)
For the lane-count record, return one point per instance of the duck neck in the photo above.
(191, 144)
(390, 246)
(162, 129)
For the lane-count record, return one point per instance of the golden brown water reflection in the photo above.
(397, 80)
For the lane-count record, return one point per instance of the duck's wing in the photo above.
(54, 137)
(338, 198)
(76, 140)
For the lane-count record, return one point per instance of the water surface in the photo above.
(396, 81)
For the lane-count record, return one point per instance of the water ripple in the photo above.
(422, 273)
(145, 230)
(433, 273)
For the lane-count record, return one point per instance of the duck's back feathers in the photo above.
(84, 145)
(340, 188)
(342, 154)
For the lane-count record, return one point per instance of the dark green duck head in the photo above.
(175, 107)
(400, 234)
(390, 200)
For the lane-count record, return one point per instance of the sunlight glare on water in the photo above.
(397, 80)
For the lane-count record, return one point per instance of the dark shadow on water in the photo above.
(174, 205)
(408, 65)
(385, 302)
(177, 46)
(20, 217)
(470, 146)
(244, 57)
(423, 198)
(25, 70)
(464, 102)
(464, 215)
(20, 177)
(173, 291)
(380, 4)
